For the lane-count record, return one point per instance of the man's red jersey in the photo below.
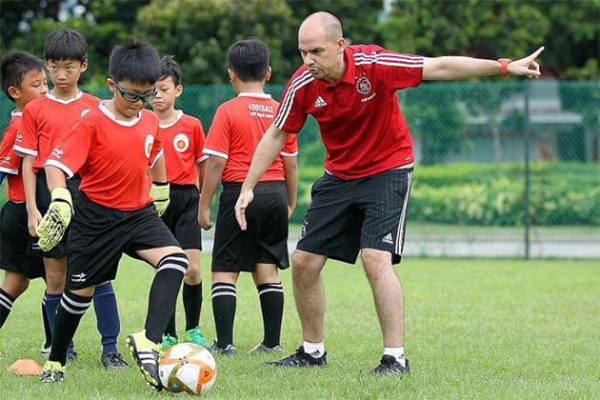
(112, 157)
(10, 163)
(237, 127)
(45, 120)
(183, 141)
(362, 127)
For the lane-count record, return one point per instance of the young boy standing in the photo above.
(44, 122)
(237, 128)
(112, 147)
(183, 140)
(23, 79)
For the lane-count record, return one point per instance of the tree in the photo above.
(198, 34)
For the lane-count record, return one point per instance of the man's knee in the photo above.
(306, 265)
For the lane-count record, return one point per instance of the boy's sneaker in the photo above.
(114, 360)
(228, 350)
(167, 342)
(52, 372)
(195, 336)
(261, 348)
(301, 359)
(390, 366)
(146, 354)
(71, 355)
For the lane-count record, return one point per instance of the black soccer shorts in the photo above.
(346, 216)
(100, 235)
(17, 252)
(182, 216)
(265, 239)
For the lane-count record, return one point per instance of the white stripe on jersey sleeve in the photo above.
(158, 156)
(212, 152)
(23, 151)
(288, 101)
(60, 166)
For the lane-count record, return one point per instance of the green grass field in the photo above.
(476, 329)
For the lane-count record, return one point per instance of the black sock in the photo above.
(271, 305)
(192, 302)
(163, 294)
(224, 298)
(68, 314)
(47, 328)
(6, 303)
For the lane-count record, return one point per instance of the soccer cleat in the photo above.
(301, 359)
(261, 349)
(167, 342)
(228, 350)
(114, 360)
(71, 355)
(195, 336)
(390, 366)
(146, 354)
(52, 372)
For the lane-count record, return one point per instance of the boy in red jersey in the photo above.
(112, 147)
(237, 128)
(359, 204)
(183, 139)
(23, 79)
(44, 122)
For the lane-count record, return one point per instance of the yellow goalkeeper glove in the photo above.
(160, 196)
(54, 224)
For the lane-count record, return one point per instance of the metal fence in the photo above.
(504, 168)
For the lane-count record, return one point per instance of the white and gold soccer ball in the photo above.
(187, 367)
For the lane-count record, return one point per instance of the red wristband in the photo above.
(504, 66)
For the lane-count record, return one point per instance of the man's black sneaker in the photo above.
(228, 350)
(301, 359)
(390, 366)
(114, 360)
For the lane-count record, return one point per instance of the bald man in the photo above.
(359, 204)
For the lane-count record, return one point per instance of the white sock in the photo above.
(316, 350)
(397, 353)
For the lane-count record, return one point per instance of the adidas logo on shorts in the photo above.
(388, 239)
(320, 102)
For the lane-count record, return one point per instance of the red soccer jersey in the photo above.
(183, 141)
(10, 163)
(112, 157)
(362, 127)
(237, 127)
(45, 120)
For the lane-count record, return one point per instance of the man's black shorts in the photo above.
(346, 216)
(99, 236)
(17, 252)
(182, 216)
(265, 239)
(43, 199)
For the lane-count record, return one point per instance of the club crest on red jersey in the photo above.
(148, 145)
(363, 86)
(181, 142)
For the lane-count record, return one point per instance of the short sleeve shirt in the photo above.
(46, 119)
(237, 127)
(112, 157)
(361, 125)
(10, 163)
(183, 141)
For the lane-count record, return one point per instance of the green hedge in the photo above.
(489, 194)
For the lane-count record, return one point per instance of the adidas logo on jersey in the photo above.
(320, 102)
(388, 239)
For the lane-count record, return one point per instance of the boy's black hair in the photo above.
(65, 44)
(134, 61)
(15, 66)
(170, 68)
(249, 59)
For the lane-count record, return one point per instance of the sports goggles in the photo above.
(133, 96)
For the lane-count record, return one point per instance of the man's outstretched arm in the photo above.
(449, 68)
